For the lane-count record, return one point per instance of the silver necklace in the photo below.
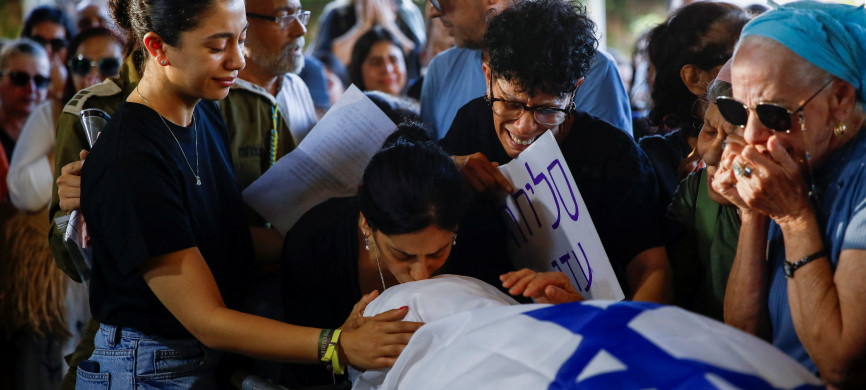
(378, 265)
(382, 278)
(195, 134)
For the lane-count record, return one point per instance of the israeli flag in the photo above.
(582, 345)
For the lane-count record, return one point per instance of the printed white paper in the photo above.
(328, 163)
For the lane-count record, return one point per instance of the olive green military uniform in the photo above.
(257, 137)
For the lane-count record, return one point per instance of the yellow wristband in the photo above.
(332, 354)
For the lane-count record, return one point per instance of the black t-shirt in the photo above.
(665, 153)
(140, 200)
(320, 275)
(614, 176)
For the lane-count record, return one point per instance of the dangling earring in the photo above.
(840, 129)
(367, 243)
(454, 240)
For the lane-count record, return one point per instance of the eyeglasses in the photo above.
(20, 79)
(108, 66)
(435, 4)
(772, 115)
(511, 110)
(56, 43)
(285, 21)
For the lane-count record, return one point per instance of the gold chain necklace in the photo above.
(195, 134)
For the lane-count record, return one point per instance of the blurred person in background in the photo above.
(96, 55)
(686, 52)
(89, 14)
(274, 55)
(378, 63)
(24, 82)
(51, 28)
(344, 21)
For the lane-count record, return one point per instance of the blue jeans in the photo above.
(125, 358)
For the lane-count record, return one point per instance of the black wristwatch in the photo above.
(790, 268)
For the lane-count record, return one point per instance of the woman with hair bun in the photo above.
(171, 245)
(400, 227)
(686, 51)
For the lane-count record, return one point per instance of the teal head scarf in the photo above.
(830, 36)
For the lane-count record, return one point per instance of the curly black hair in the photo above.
(686, 38)
(541, 46)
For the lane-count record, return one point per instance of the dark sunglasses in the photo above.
(773, 116)
(81, 65)
(56, 43)
(20, 79)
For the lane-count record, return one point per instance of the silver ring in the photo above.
(738, 170)
(742, 171)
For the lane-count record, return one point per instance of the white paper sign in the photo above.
(549, 226)
(328, 163)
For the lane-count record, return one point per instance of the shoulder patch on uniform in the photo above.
(244, 85)
(105, 88)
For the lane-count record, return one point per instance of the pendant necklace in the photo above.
(195, 134)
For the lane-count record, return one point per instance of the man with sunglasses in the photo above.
(795, 170)
(275, 54)
(532, 75)
(454, 77)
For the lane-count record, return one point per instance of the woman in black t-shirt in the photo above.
(170, 243)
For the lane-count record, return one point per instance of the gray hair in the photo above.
(718, 88)
(24, 46)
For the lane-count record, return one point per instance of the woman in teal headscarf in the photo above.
(795, 168)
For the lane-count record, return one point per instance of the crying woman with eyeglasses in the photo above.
(795, 169)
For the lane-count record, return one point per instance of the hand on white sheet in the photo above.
(376, 342)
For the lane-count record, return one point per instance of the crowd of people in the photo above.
(736, 194)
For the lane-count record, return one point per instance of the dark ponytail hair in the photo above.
(166, 18)
(687, 38)
(411, 184)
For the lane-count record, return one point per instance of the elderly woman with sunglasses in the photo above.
(95, 54)
(24, 84)
(795, 170)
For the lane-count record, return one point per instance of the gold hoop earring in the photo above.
(840, 129)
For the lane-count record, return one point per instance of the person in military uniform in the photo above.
(257, 137)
